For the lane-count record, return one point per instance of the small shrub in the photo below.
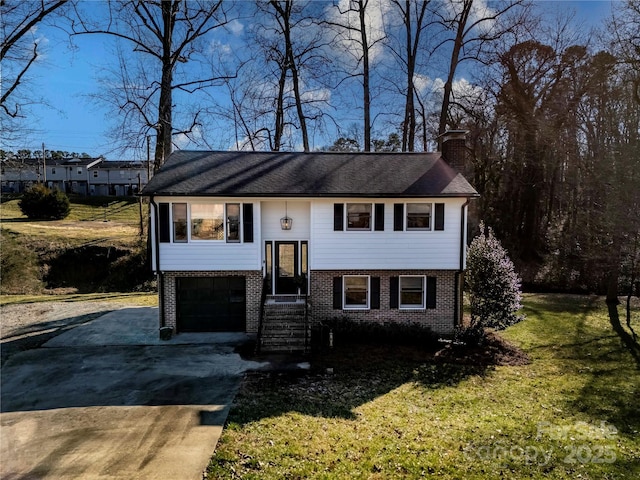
(40, 202)
(469, 335)
(347, 331)
(492, 283)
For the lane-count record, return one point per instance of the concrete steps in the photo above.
(283, 328)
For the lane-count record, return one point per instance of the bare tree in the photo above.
(413, 15)
(20, 50)
(284, 100)
(358, 37)
(625, 39)
(166, 35)
(472, 28)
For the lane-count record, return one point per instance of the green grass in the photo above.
(141, 299)
(395, 413)
(86, 221)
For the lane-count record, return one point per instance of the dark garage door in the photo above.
(211, 304)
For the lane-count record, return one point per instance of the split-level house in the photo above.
(241, 237)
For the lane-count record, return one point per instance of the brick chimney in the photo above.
(454, 149)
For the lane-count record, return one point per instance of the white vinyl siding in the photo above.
(313, 221)
(388, 249)
(274, 210)
(202, 255)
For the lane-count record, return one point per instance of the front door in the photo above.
(286, 268)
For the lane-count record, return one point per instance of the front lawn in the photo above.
(399, 412)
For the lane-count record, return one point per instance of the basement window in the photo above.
(356, 292)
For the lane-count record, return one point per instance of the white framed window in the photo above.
(179, 216)
(419, 216)
(207, 221)
(412, 291)
(356, 292)
(79, 171)
(359, 216)
(95, 174)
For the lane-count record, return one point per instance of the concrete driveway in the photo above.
(109, 400)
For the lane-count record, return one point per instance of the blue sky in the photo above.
(66, 79)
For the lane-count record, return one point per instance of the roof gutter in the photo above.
(156, 242)
(463, 233)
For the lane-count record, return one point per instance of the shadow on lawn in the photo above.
(344, 378)
(611, 390)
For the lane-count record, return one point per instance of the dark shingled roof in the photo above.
(317, 174)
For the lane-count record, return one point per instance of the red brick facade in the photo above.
(439, 319)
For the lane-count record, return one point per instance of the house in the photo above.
(69, 175)
(118, 177)
(242, 237)
(79, 176)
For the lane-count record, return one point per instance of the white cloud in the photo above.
(235, 27)
(219, 48)
(183, 140)
(426, 85)
(480, 9)
(349, 40)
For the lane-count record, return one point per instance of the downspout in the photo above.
(457, 320)
(156, 241)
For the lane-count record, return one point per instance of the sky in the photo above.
(67, 78)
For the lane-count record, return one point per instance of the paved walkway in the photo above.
(109, 400)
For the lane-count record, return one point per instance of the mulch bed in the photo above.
(495, 351)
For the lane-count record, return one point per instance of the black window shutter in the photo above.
(375, 293)
(431, 292)
(394, 293)
(398, 217)
(163, 219)
(337, 293)
(439, 224)
(379, 225)
(247, 222)
(338, 217)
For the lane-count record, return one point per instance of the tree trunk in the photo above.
(164, 126)
(453, 65)
(366, 95)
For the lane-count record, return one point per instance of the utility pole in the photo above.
(148, 158)
(44, 165)
(140, 205)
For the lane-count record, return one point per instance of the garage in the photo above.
(211, 304)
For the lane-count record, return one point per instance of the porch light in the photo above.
(286, 221)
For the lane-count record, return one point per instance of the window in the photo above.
(412, 292)
(79, 171)
(53, 171)
(356, 292)
(358, 216)
(418, 216)
(233, 222)
(95, 174)
(179, 222)
(207, 222)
